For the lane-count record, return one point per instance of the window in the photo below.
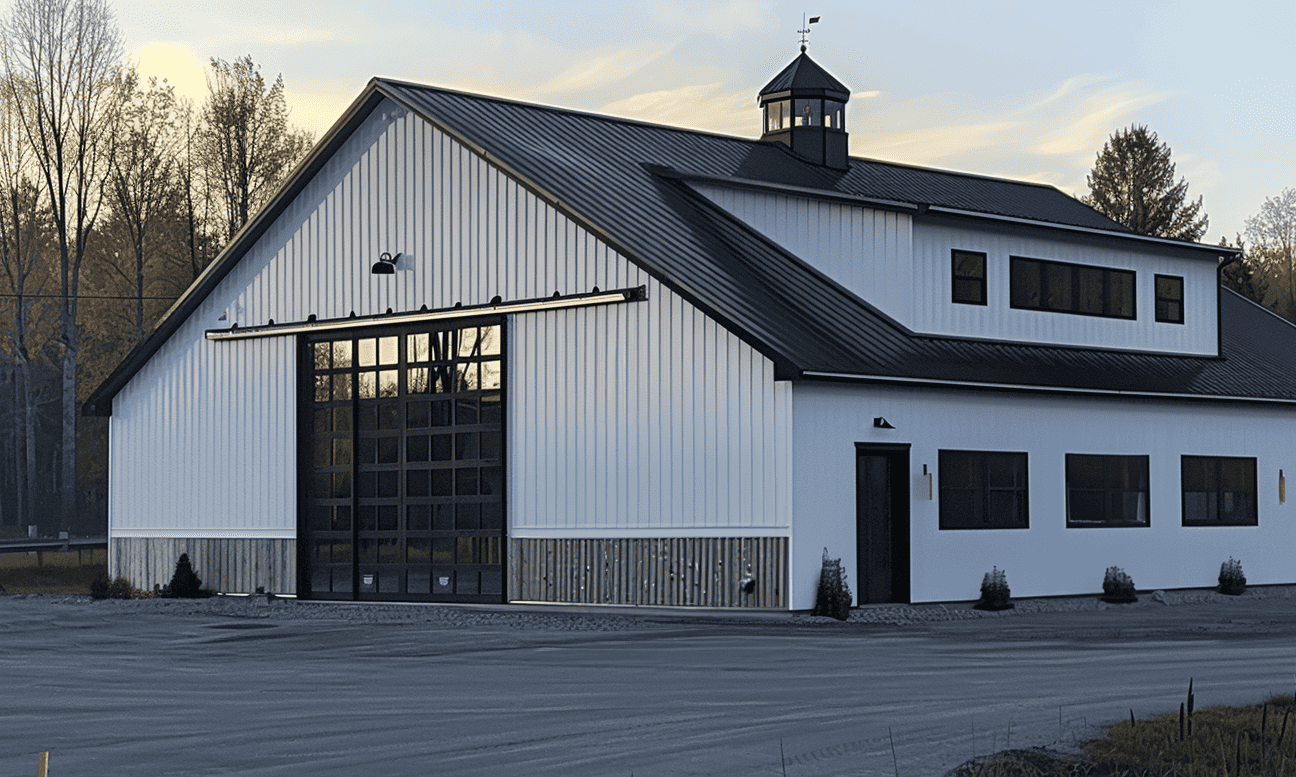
(1169, 299)
(983, 490)
(1106, 490)
(1218, 491)
(969, 271)
(1036, 284)
(777, 115)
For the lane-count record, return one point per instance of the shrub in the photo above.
(995, 592)
(1118, 587)
(184, 583)
(834, 596)
(1231, 579)
(104, 587)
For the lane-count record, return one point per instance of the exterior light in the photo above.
(882, 423)
(386, 264)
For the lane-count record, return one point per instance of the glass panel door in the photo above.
(408, 466)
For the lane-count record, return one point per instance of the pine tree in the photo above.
(1133, 183)
(1240, 274)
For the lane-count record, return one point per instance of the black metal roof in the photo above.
(627, 182)
(804, 77)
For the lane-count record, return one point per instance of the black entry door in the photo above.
(404, 498)
(882, 523)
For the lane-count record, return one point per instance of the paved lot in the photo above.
(246, 687)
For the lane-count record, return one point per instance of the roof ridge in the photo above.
(580, 113)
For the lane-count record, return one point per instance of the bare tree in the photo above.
(60, 58)
(246, 146)
(1272, 234)
(23, 234)
(143, 181)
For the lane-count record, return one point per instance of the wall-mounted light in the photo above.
(386, 264)
(928, 475)
(882, 423)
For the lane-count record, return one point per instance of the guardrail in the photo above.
(67, 544)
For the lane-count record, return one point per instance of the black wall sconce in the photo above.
(878, 423)
(386, 264)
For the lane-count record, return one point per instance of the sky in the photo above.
(1024, 90)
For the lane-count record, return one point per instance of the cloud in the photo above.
(600, 69)
(1051, 138)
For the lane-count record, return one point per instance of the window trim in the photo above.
(955, 277)
(984, 489)
(1015, 261)
(1219, 491)
(1107, 491)
(1158, 299)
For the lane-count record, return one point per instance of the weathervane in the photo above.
(805, 31)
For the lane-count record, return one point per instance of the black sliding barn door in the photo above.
(402, 490)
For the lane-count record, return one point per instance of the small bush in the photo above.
(104, 587)
(1118, 587)
(1231, 579)
(184, 583)
(834, 596)
(995, 592)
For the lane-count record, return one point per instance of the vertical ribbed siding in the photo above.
(642, 416)
(639, 415)
(677, 571)
(867, 251)
(228, 565)
(934, 312)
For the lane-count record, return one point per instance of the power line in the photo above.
(86, 296)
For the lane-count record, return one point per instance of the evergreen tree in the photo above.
(1133, 183)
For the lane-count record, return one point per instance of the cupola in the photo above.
(805, 107)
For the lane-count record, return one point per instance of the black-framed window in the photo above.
(1218, 490)
(983, 490)
(1107, 491)
(1038, 284)
(1169, 299)
(968, 269)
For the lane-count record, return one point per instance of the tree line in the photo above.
(115, 194)
(1133, 183)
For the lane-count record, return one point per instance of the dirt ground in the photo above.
(246, 686)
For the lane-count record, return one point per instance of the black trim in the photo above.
(1158, 299)
(947, 520)
(1218, 491)
(1017, 265)
(1107, 491)
(980, 281)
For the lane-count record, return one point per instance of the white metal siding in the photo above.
(935, 313)
(867, 251)
(643, 416)
(1048, 558)
(646, 416)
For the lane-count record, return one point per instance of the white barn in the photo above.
(478, 350)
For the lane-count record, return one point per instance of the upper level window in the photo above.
(1218, 490)
(969, 272)
(1169, 299)
(777, 115)
(834, 114)
(983, 490)
(1106, 490)
(1036, 284)
(806, 113)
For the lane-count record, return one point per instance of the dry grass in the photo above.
(1254, 741)
(51, 572)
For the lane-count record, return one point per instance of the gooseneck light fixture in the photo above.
(386, 264)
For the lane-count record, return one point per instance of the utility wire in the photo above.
(86, 296)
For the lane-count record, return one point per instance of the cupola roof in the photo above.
(805, 78)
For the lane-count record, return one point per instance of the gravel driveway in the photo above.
(245, 686)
